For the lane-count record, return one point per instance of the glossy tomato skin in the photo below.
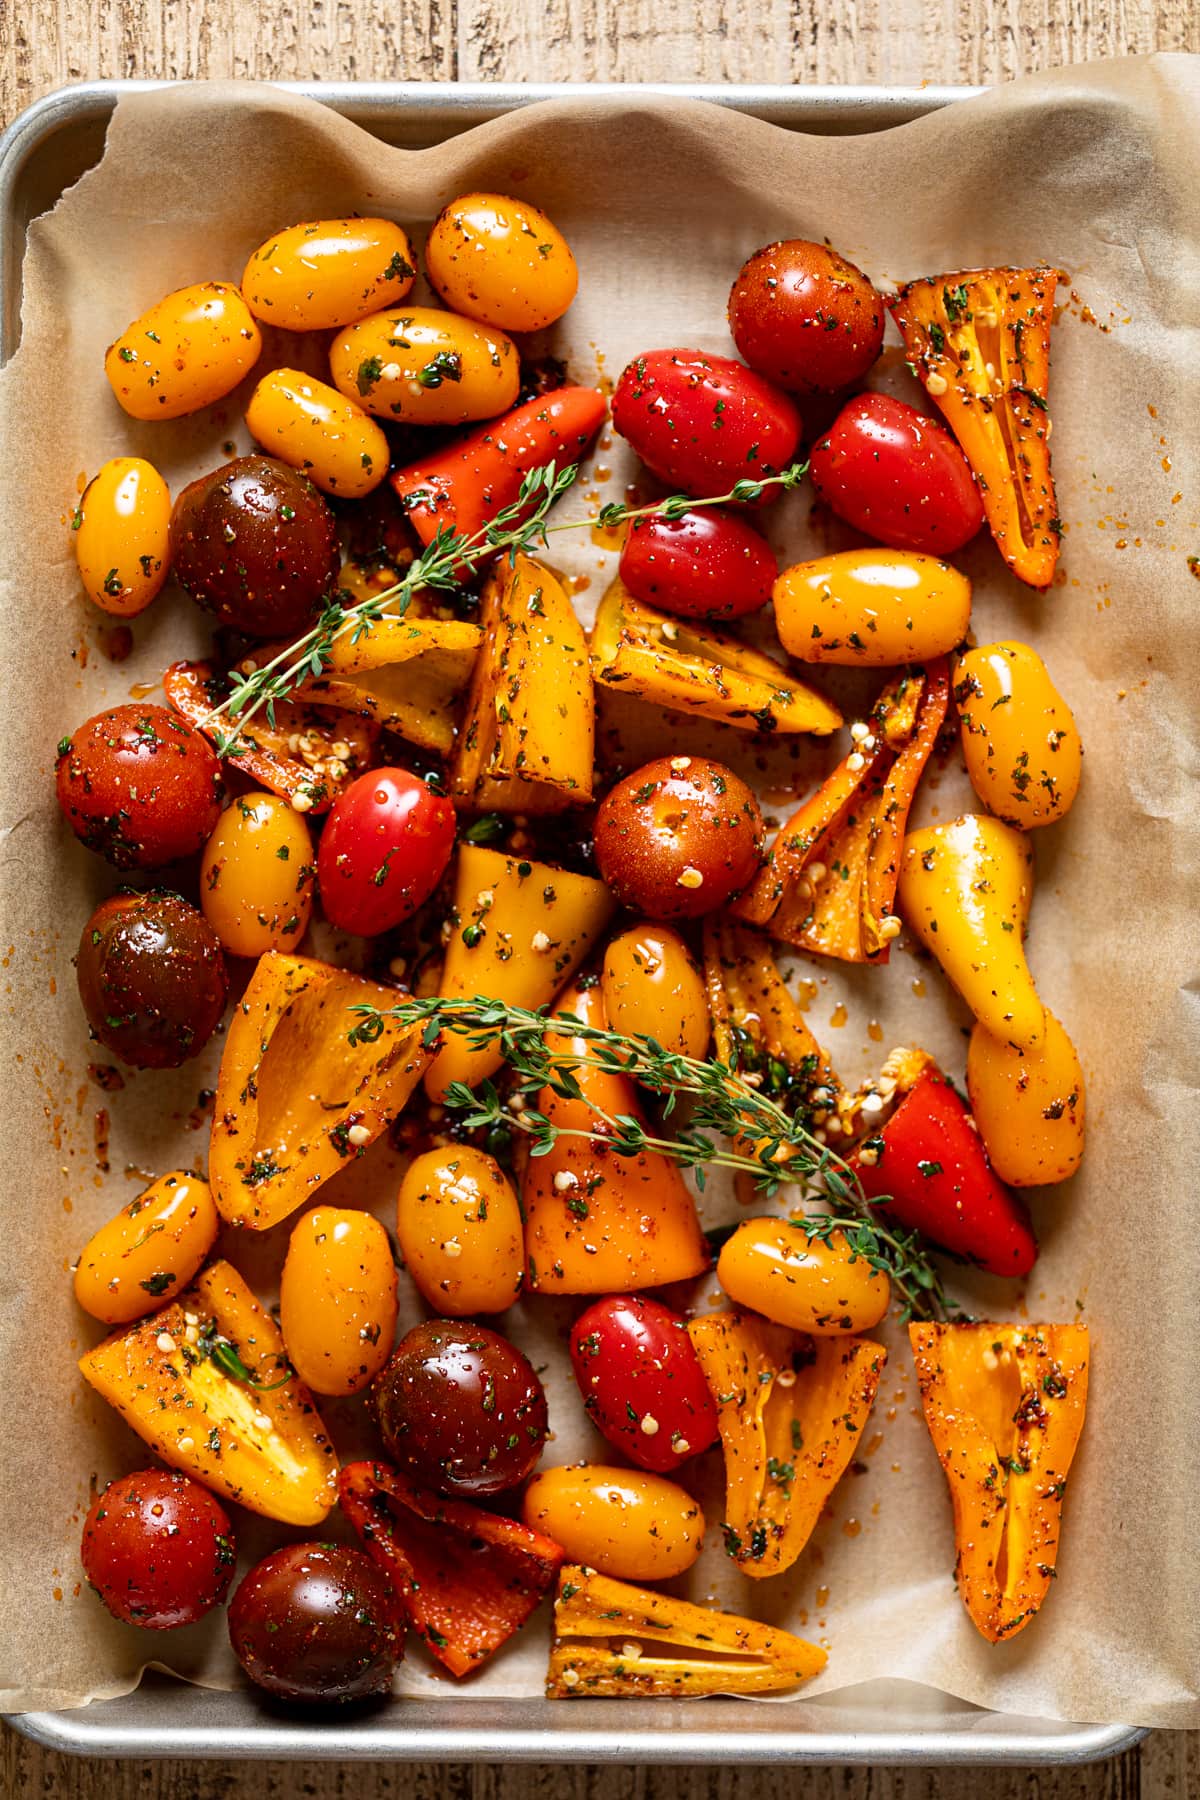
(139, 786)
(328, 272)
(122, 536)
(189, 349)
(704, 422)
(256, 876)
(678, 837)
(151, 978)
(461, 1410)
(158, 1549)
(502, 261)
(317, 1623)
(805, 317)
(254, 543)
(641, 1381)
(384, 849)
(709, 564)
(899, 476)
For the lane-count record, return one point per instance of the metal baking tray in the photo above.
(881, 1722)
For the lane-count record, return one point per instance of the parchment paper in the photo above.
(1096, 170)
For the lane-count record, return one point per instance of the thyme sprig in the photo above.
(731, 1124)
(445, 562)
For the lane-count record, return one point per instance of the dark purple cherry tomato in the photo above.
(805, 317)
(703, 423)
(139, 786)
(152, 979)
(384, 849)
(708, 564)
(899, 476)
(256, 544)
(678, 837)
(460, 1409)
(317, 1622)
(641, 1381)
(158, 1549)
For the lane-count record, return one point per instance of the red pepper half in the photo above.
(930, 1162)
(465, 1578)
(464, 486)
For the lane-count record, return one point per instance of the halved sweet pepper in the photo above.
(613, 1639)
(520, 930)
(597, 1222)
(791, 1409)
(829, 884)
(1005, 1406)
(308, 755)
(980, 343)
(296, 1100)
(206, 1383)
(405, 673)
(528, 738)
(466, 1579)
(689, 667)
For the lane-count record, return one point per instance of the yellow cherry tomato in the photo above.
(1019, 737)
(337, 1299)
(621, 1522)
(458, 1222)
(426, 367)
(652, 988)
(501, 261)
(773, 1268)
(122, 536)
(871, 608)
(256, 876)
(329, 272)
(311, 427)
(144, 1258)
(1028, 1104)
(188, 350)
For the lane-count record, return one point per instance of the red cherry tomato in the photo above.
(158, 1549)
(139, 785)
(805, 317)
(899, 476)
(708, 564)
(383, 851)
(641, 1381)
(703, 423)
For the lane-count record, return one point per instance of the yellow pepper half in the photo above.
(405, 673)
(1004, 1405)
(791, 1410)
(965, 888)
(206, 1384)
(610, 1638)
(296, 1100)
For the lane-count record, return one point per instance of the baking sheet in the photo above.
(1097, 171)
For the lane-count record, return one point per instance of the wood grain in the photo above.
(44, 43)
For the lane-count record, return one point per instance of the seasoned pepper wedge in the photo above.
(829, 884)
(1005, 1406)
(980, 343)
(296, 1099)
(613, 1639)
(206, 1383)
(407, 674)
(528, 738)
(688, 667)
(791, 1409)
(466, 1579)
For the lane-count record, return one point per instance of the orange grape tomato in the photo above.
(422, 366)
(122, 531)
(1020, 741)
(634, 1526)
(256, 876)
(458, 1222)
(144, 1257)
(337, 1298)
(188, 350)
(773, 1267)
(502, 261)
(652, 988)
(310, 426)
(328, 272)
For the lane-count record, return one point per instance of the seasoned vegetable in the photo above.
(296, 1099)
(139, 786)
(897, 475)
(1029, 1105)
(652, 988)
(1019, 737)
(458, 1225)
(637, 1527)
(404, 673)
(187, 351)
(256, 876)
(791, 1410)
(152, 979)
(158, 1550)
(122, 536)
(703, 423)
(501, 260)
(311, 427)
(421, 366)
(641, 1381)
(316, 1623)
(337, 1299)
(773, 1267)
(142, 1259)
(677, 837)
(1004, 1405)
(806, 317)
(871, 609)
(613, 1639)
(330, 272)
(701, 565)
(384, 849)
(206, 1383)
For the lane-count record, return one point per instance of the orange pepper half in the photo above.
(467, 1579)
(829, 884)
(1004, 1405)
(980, 342)
(791, 1409)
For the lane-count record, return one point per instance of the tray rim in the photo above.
(80, 1731)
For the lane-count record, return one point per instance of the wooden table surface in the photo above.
(44, 43)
